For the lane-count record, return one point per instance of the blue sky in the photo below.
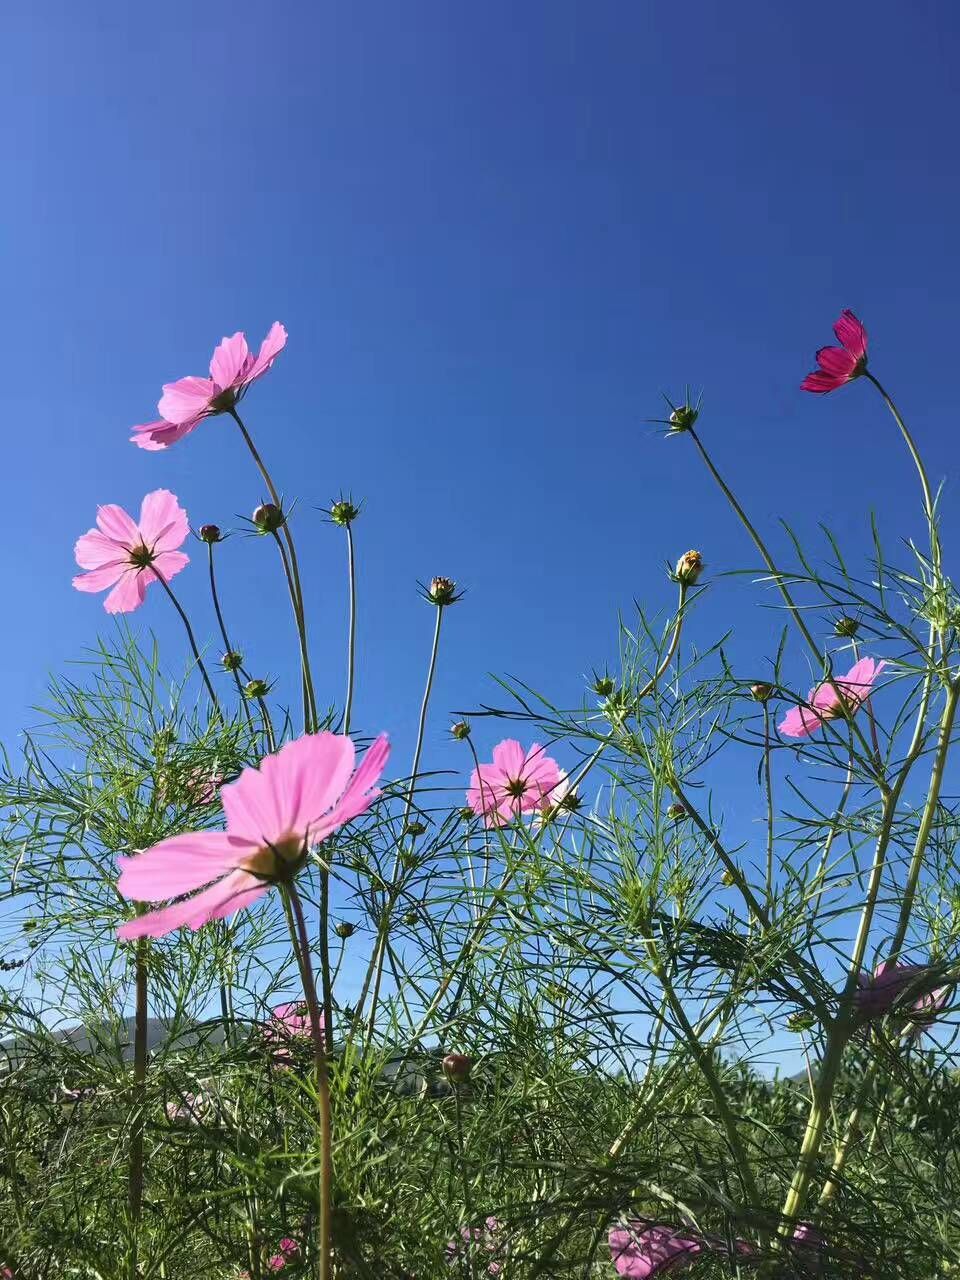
(495, 234)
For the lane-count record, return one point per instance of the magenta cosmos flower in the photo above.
(128, 555)
(289, 1249)
(880, 993)
(839, 365)
(841, 696)
(274, 814)
(516, 782)
(185, 403)
(641, 1252)
(288, 1027)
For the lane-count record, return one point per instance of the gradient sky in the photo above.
(495, 234)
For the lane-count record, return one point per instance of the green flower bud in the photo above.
(800, 1021)
(846, 627)
(268, 518)
(345, 929)
(442, 591)
(456, 1067)
(761, 692)
(232, 660)
(256, 689)
(210, 533)
(677, 812)
(461, 730)
(683, 417)
(343, 512)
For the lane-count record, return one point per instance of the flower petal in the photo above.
(128, 594)
(168, 564)
(186, 399)
(230, 361)
(270, 348)
(163, 522)
(237, 889)
(117, 525)
(836, 362)
(361, 790)
(799, 722)
(179, 865)
(509, 756)
(100, 579)
(161, 435)
(851, 334)
(94, 550)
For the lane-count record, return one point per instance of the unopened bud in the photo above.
(689, 568)
(456, 1067)
(414, 829)
(761, 692)
(677, 811)
(210, 533)
(846, 627)
(442, 591)
(268, 518)
(728, 878)
(256, 689)
(466, 813)
(683, 417)
(345, 929)
(800, 1021)
(411, 918)
(232, 660)
(603, 686)
(461, 730)
(344, 512)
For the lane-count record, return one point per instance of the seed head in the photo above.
(677, 812)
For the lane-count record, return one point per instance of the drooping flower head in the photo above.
(128, 554)
(516, 782)
(274, 814)
(882, 992)
(839, 365)
(843, 695)
(186, 402)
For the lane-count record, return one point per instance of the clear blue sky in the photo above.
(495, 233)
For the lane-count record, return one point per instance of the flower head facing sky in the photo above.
(516, 782)
(186, 402)
(843, 695)
(127, 555)
(840, 365)
(274, 814)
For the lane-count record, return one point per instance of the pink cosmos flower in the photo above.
(475, 1239)
(191, 1107)
(127, 555)
(839, 365)
(274, 814)
(841, 696)
(289, 1024)
(516, 782)
(288, 1249)
(185, 403)
(641, 1252)
(879, 993)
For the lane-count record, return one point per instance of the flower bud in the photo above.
(268, 518)
(683, 417)
(210, 533)
(466, 813)
(728, 878)
(345, 929)
(761, 692)
(603, 686)
(414, 829)
(689, 568)
(677, 811)
(461, 730)
(256, 689)
(411, 918)
(456, 1067)
(344, 512)
(800, 1021)
(442, 591)
(846, 627)
(232, 660)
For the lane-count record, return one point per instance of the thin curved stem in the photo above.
(228, 647)
(352, 635)
(135, 1177)
(192, 639)
(309, 705)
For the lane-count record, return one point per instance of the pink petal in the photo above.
(128, 594)
(186, 399)
(100, 579)
(509, 756)
(361, 791)
(800, 722)
(163, 522)
(230, 361)
(820, 383)
(237, 889)
(836, 362)
(94, 550)
(640, 1253)
(270, 348)
(168, 564)
(161, 435)
(852, 335)
(179, 865)
(117, 525)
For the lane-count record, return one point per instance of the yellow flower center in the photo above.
(277, 861)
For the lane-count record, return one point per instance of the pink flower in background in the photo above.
(839, 365)
(879, 993)
(640, 1252)
(516, 782)
(473, 1240)
(843, 695)
(274, 813)
(191, 1107)
(289, 1024)
(288, 1250)
(185, 403)
(127, 555)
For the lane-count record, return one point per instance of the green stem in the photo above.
(228, 647)
(352, 636)
(309, 705)
(192, 639)
(301, 947)
(135, 1159)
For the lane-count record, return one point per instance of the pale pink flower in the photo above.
(289, 1024)
(516, 782)
(475, 1241)
(127, 555)
(841, 696)
(881, 992)
(185, 403)
(191, 1107)
(839, 365)
(274, 815)
(641, 1251)
(288, 1250)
